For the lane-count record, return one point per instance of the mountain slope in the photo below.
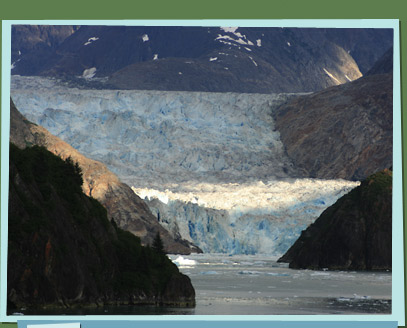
(35, 45)
(218, 59)
(63, 251)
(384, 65)
(122, 204)
(353, 234)
(341, 132)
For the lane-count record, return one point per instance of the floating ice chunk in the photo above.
(258, 42)
(145, 38)
(360, 297)
(209, 272)
(155, 57)
(179, 73)
(276, 274)
(289, 44)
(19, 53)
(255, 273)
(320, 273)
(343, 299)
(89, 73)
(182, 262)
(248, 49)
(213, 58)
(90, 40)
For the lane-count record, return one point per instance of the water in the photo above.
(258, 285)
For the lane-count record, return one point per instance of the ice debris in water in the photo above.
(182, 262)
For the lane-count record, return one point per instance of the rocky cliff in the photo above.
(64, 252)
(341, 132)
(122, 204)
(353, 234)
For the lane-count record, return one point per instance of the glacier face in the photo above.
(211, 165)
(246, 218)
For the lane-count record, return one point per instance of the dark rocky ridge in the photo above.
(285, 60)
(63, 251)
(384, 65)
(353, 234)
(122, 204)
(341, 132)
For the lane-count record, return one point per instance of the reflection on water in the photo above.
(113, 310)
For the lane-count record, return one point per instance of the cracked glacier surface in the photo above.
(211, 166)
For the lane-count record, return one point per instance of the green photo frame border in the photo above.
(255, 9)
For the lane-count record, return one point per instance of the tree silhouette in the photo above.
(158, 245)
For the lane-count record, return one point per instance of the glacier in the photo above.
(249, 218)
(211, 166)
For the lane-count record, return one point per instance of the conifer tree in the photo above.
(158, 245)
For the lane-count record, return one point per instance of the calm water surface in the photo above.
(258, 285)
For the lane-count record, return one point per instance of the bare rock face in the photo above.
(37, 45)
(353, 234)
(127, 209)
(342, 132)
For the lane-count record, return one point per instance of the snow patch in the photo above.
(248, 49)
(331, 76)
(228, 43)
(145, 38)
(239, 40)
(91, 40)
(89, 73)
(13, 65)
(229, 29)
(253, 61)
(348, 78)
